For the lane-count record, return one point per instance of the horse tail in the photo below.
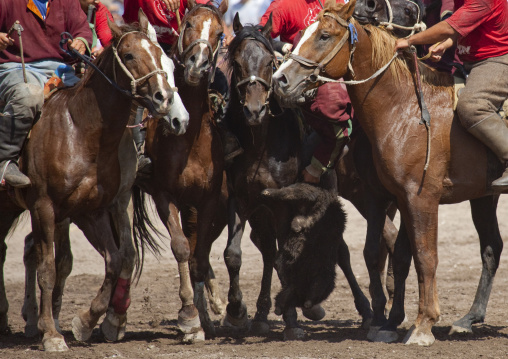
(143, 231)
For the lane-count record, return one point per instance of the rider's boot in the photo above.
(493, 132)
(230, 144)
(139, 134)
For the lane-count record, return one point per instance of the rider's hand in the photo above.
(401, 44)
(172, 5)
(308, 178)
(439, 49)
(5, 41)
(77, 45)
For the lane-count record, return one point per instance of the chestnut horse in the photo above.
(271, 159)
(459, 166)
(82, 164)
(188, 170)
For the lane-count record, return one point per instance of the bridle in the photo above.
(319, 67)
(251, 79)
(182, 53)
(390, 25)
(65, 36)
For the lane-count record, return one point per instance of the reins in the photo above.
(65, 37)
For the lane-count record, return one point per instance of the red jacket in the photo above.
(41, 37)
(163, 20)
(101, 24)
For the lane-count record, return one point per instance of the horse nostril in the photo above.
(282, 81)
(158, 96)
(371, 5)
(176, 123)
(192, 58)
(246, 111)
(204, 65)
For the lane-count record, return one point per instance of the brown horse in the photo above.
(188, 176)
(82, 163)
(272, 159)
(460, 167)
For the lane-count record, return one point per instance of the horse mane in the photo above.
(401, 68)
(253, 31)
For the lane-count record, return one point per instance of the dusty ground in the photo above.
(152, 331)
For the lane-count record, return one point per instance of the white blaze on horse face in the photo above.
(152, 34)
(205, 35)
(147, 45)
(307, 34)
(177, 108)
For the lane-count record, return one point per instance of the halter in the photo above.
(390, 25)
(212, 54)
(134, 81)
(351, 34)
(253, 79)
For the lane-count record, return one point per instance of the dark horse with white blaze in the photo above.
(188, 180)
(82, 163)
(272, 141)
(459, 166)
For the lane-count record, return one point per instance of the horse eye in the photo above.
(407, 11)
(128, 57)
(324, 37)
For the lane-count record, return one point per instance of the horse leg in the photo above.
(485, 220)
(30, 309)
(236, 310)
(44, 227)
(376, 215)
(212, 288)
(420, 216)
(388, 239)
(63, 263)
(97, 229)
(401, 265)
(115, 322)
(263, 236)
(5, 224)
(361, 302)
(292, 331)
(188, 315)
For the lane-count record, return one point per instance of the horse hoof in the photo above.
(209, 329)
(218, 307)
(31, 331)
(193, 338)
(458, 329)
(4, 324)
(294, 334)
(414, 336)
(371, 335)
(366, 322)
(316, 312)
(238, 323)
(55, 345)
(80, 331)
(259, 328)
(189, 326)
(113, 326)
(386, 336)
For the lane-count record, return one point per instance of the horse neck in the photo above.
(375, 114)
(195, 100)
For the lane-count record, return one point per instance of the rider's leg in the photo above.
(485, 91)
(139, 134)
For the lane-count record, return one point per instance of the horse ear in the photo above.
(143, 21)
(346, 11)
(237, 25)
(115, 29)
(190, 4)
(223, 7)
(267, 29)
(330, 3)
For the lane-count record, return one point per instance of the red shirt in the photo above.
(101, 24)
(483, 27)
(41, 37)
(291, 16)
(163, 20)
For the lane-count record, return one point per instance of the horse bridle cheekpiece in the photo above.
(350, 34)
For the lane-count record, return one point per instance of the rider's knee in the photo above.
(471, 110)
(27, 100)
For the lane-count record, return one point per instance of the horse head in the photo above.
(177, 120)
(137, 68)
(251, 59)
(324, 49)
(200, 40)
(403, 17)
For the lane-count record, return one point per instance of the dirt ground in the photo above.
(152, 331)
